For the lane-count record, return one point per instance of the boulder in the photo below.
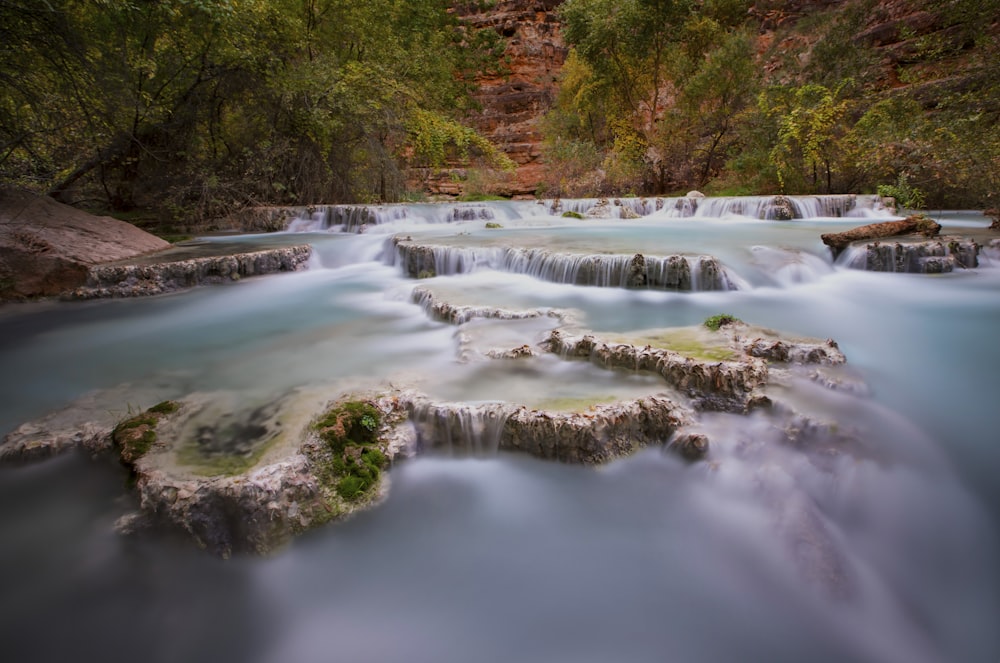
(46, 248)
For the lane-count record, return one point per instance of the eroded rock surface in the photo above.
(928, 257)
(678, 272)
(139, 280)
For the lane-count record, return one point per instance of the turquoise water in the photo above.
(768, 554)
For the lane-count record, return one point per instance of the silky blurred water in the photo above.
(768, 553)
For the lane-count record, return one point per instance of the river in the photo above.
(763, 554)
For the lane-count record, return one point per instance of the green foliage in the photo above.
(350, 423)
(197, 106)
(906, 194)
(491, 225)
(718, 321)
(351, 432)
(569, 214)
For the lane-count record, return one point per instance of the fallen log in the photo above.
(918, 223)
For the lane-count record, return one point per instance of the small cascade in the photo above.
(929, 257)
(785, 208)
(676, 272)
(460, 428)
(790, 267)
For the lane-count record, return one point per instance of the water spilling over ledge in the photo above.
(739, 477)
(617, 271)
(362, 218)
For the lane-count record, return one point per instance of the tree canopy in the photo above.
(200, 105)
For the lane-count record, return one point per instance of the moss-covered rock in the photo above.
(135, 436)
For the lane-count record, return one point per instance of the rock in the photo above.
(908, 226)
(711, 385)
(137, 280)
(46, 248)
(637, 272)
(600, 434)
(689, 446)
(254, 500)
(457, 314)
(779, 208)
(934, 257)
(602, 209)
(694, 194)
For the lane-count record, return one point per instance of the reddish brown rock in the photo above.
(46, 247)
(513, 104)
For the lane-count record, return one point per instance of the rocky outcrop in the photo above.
(711, 385)
(47, 248)
(937, 257)
(911, 225)
(457, 314)
(139, 280)
(514, 101)
(293, 476)
(600, 434)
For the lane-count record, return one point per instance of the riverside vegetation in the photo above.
(191, 109)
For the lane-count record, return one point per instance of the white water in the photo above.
(770, 553)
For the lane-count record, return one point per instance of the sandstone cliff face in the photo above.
(899, 31)
(513, 104)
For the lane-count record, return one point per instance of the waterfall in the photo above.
(475, 429)
(602, 270)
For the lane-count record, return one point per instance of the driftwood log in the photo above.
(909, 226)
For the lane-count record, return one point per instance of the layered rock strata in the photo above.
(138, 280)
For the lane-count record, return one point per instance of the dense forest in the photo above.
(661, 95)
(195, 107)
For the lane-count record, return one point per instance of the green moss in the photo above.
(426, 274)
(493, 225)
(136, 435)
(354, 465)
(166, 407)
(572, 215)
(686, 341)
(191, 456)
(717, 321)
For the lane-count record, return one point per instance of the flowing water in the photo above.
(767, 553)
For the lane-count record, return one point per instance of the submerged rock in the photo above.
(137, 280)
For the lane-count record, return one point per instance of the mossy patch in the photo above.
(492, 225)
(686, 341)
(572, 215)
(350, 431)
(136, 435)
(721, 320)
